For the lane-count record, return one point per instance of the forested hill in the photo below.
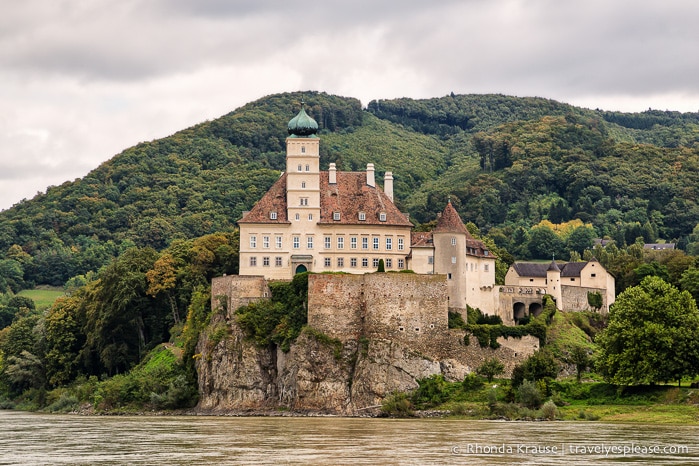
(506, 163)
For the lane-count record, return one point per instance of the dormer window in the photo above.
(382, 217)
(336, 216)
(362, 216)
(486, 252)
(272, 215)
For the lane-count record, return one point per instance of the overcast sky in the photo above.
(82, 80)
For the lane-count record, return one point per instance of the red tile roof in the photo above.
(274, 200)
(450, 222)
(421, 238)
(349, 196)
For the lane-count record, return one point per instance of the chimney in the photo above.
(332, 174)
(388, 185)
(370, 175)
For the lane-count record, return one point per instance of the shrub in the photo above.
(528, 394)
(432, 391)
(539, 366)
(549, 411)
(472, 382)
(397, 405)
(456, 321)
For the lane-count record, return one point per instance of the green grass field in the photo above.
(43, 297)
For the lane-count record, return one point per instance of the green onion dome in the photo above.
(302, 125)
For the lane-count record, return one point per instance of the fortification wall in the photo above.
(336, 304)
(237, 291)
(406, 307)
(575, 298)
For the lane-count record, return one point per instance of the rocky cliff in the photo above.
(324, 375)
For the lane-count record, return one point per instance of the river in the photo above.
(38, 439)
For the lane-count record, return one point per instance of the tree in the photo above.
(539, 366)
(543, 243)
(690, 282)
(490, 368)
(579, 357)
(652, 335)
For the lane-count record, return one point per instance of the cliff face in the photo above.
(324, 375)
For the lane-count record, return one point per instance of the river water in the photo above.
(37, 439)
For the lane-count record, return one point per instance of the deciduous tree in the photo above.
(652, 336)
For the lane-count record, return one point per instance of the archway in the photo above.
(535, 309)
(301, 268)
(519, 311)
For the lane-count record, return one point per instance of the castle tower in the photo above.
(553, 283)
(303, 168)
(449, 237)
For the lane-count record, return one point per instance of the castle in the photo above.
(336, 221)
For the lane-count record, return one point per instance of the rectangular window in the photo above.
(265, 261)
(453, 261)
(353, 262)
(340, 262)
(365, 243)
(449, 276)
(308, 168)
(453, 241)
(303, 184)
(340, 242)
(278, 261)
(485, 267)
(309, 242)
(326, 242)
(310, 217)
(327, 262)
(375, 262)
(299, 168)
(389, 263)
(430, 260)
(353, 242)
(253, 241)
(401, 244)
(298, 217)
(401, 263)
(253, 262)
(389, 244)
(303, 201)
(265, 242)
(376, 243)
(297, 242)
(278, 241)
(365, 262)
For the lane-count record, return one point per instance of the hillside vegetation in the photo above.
(505, 162)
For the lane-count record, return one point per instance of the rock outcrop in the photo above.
(323, 375)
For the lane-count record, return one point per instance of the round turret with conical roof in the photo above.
(302, 125)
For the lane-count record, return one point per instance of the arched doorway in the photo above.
(535, 309)
(519, 311)
(300, 269)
